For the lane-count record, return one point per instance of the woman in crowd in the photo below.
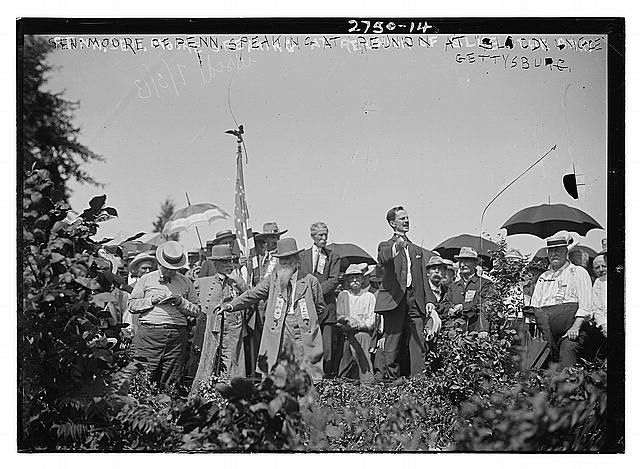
(356, 317)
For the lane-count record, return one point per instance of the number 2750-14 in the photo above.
(377, 27)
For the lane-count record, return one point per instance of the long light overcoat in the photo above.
(308, 304)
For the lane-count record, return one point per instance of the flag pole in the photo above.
(197, 231)
(244, 232)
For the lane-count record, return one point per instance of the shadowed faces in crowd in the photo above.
(224, 266)
(270, 241)
(600, 266)
(145, 267)
(557, 256)
(467, 267)
(320, 234)
(354, 283)
(436, 273)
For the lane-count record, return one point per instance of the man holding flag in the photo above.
(245, 238)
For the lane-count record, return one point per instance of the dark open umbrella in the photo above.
(451, 246)
(350, 254)
(547, 219)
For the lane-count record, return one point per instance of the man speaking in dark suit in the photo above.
(402, 296)
(324, 264)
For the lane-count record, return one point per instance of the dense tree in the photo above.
(166, 210)
(49, 140)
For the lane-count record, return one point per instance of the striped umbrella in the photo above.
(185, 218)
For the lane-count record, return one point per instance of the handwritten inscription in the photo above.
(509, 51)
(173, 78)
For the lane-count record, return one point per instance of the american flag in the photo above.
(241, 218)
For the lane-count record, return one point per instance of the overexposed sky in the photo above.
(341, 135)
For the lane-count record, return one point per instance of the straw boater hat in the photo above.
(286, 247)
(269, 228)
(222, 252)
(514, 254)
(143, 256)
(436, 260)
(467, 253)
(449, 263)
(561, 238)
(223, 235)
(171, 255)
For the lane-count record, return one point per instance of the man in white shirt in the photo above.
(562, 302)
(600, 293)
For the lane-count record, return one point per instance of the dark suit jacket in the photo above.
(394, 283)
(328, 281)
(442, 306)
(458, 294)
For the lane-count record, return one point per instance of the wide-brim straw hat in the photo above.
(435, 261)
(143, 256)
(356, 269)
(467, 253)
(287, 247)
(514, 254)
(171, 255)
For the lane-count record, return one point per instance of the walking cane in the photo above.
(218, 359)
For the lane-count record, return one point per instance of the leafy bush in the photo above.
(555, 412)
(263, 417)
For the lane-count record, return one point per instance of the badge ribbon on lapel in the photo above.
(277, 313)
(322, 259)
(271, 266)
(303, 309)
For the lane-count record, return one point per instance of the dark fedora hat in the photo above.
(269, 228)
(287, 247)
(221, 252)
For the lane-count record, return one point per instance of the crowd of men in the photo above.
(226, 316)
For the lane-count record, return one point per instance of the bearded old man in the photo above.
(220, 338)
(294, 303)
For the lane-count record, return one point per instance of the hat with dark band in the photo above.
(561, 238)
(171, 255)
(222, 252)
(222, 236)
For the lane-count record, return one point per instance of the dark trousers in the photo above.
(404, 338)
(328, 346)
(163, 352)
(554, 321)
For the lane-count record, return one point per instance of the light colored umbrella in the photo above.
(187, 217)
